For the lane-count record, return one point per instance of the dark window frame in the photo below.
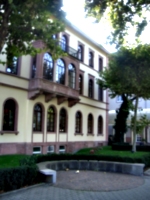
(60, 72)
(18, 66)
(37, 126)
(63, 121)
(51, 119)
(100, 64)
(10, 112)
(91, 59)
(90, 123)
(100, 93)
(71, 76)
(90, 89)
(100, 125)
(78, 123)
(48, 66)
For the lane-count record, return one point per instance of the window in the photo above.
(62, 120)
(100, 93)
(91, 59)
(48, 67)
(78, 122)
(100, 64)
(90, 124)
(71, 76)
(13, 67)
(33, 68)
(90, 88)
(36, 150)
(80, 84)
(80, 52)
(60, 72)
(62, 149)
(50, 149)
(9, 115)
(37, 118)
(51, 119)
(100, 125)
(64, 43)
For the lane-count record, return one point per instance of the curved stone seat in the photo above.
(136, 169)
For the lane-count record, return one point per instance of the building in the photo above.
(143, 109)
(48, 106)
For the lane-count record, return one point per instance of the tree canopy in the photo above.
(22, 22)
(122, 15)
(128, 73)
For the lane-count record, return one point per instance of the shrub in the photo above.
(14, 178)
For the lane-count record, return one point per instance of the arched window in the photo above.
(34, 67)
(90, 124)
(91, 59)
(100, 64)
(9, 115)
(37, 118)
(90, 88)
(80, 52)
(78, 122)
(60, 72)
(64, 43)
(63, 121)
(100, 125)
(51, 119)
(48, 67)
(80, 84)
(13, 66)
(71, 76)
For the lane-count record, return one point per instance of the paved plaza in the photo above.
(87, 185)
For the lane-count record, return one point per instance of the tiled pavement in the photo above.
(139, 188)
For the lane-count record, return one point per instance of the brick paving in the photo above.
(96, 181)
(87, 185)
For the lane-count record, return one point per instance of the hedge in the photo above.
(15, 178)
(122, 147)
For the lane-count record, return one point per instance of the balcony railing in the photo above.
(68, 49)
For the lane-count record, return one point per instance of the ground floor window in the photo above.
(50, 149)
(37, 150)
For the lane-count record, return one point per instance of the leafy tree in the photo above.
(122, 14)
(128, 73)
(22, 22)
(120, 125)
(142, 122)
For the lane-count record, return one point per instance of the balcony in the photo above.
(38, 86)
(72, 52)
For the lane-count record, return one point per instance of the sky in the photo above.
(98, 32)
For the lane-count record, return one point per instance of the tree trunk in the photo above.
(134, 127)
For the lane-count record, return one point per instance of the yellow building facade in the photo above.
(54, 106)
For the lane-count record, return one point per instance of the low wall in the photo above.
(118, 167)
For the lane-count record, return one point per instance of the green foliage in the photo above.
(141, 123)
(122, 114)
(29, 161)
(14, 178)
(22, 22)
(122, 15)
(128, 72)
